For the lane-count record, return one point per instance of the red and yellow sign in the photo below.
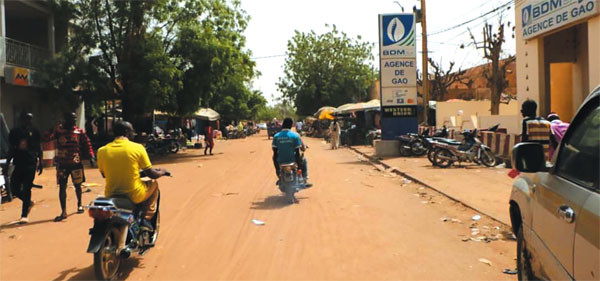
(21, 76)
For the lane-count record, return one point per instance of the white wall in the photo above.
(444, 111)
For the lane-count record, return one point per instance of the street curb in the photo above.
(374, 160)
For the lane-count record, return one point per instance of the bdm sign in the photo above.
(398, 74)
(539, 17)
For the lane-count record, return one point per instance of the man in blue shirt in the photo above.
(287, 147)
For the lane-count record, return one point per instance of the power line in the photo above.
(472, 20)
(268, 57)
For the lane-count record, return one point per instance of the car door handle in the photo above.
(566, 213)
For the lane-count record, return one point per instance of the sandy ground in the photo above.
(483, 188)
(356, 223)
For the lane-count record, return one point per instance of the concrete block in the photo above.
(387, 148)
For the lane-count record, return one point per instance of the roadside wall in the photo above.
(445, 110)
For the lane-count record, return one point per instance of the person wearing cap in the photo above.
(26, 153)
(72, 145)
(558, 129)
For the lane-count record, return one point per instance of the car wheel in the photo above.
(523, 258)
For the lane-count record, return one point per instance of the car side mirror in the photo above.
(528, 157)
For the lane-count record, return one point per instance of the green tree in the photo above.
(171, 55)
(326, 69)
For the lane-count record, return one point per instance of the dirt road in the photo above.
(355, 223)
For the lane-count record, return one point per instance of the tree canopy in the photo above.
(171, 55)
(326, 69)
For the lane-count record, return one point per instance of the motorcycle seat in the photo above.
(447, 141)
(117, 201)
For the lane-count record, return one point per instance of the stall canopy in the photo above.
(325, 113)
(361, 106)
(207, 114)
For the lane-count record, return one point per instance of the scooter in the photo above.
(469, 150)
(115, 219)
(291, 181)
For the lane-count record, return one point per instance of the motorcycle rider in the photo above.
(287, 148)
(120, 163)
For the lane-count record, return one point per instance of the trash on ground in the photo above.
(486, 261)
(407, 181)
(230, 193)
(424, 202)
(475, 239)
(456, 221)
(465, 239)
(476, 217)
(444, 219)
(258, 222)
(510, 271)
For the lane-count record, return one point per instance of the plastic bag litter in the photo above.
(486, 261)
(510, 271)
(258, 222)
(476, 217)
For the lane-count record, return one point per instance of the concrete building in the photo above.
(558, 53)
(27, 38)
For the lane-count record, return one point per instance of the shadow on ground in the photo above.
(274, 202)
(127, 266)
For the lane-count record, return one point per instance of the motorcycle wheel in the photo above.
(431, 154)
(405, 152)
(107, 260)
(173, 147)
(439, 161)
(488, 158)
(417, 148)
(289, 194)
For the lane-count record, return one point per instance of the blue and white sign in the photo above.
(397, 36)
(541, 16)
(398, 75)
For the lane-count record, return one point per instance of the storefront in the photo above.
(558, 53)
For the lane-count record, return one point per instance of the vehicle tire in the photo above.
(289, 194)
(523, 258)
(173, 147)
(417, 148)
(488, 158)
(439, 155)
(405, 152)
(431, 154)
(107, 260)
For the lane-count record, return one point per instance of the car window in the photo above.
(579, 157)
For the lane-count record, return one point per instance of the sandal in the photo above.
(60, 218)
(80, 210)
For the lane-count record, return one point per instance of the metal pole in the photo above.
(425, 64)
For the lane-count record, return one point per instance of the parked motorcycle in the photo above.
(469, 150)
(115, 219)
(161, 146)
(413, 144)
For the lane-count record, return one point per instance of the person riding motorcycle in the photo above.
(288, 148)
(120, 163)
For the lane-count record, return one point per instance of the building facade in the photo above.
(27, 37)
(558, 53)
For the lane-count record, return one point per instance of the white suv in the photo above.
(555, 209)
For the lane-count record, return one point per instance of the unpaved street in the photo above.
(355, 223)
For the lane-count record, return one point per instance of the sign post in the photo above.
(398, 75)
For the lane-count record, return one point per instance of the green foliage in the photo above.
(278, 111)
(171, 55)
(326, 70)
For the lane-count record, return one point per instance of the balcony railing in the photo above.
(22, 54)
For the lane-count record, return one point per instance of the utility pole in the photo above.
(425, 63)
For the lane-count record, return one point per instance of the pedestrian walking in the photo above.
(72, 144)
(335, 131)
(558, 129)
(208, 139)
(25, 151)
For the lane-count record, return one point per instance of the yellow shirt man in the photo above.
(120, 162)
